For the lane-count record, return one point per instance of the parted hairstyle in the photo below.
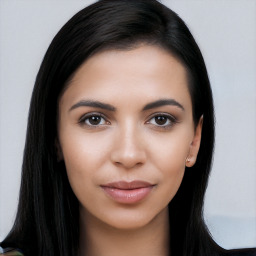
(47, 218)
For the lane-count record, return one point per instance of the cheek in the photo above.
(85, 155)
(172, 172)
(170, 152)
(82, 150)
(169, 157)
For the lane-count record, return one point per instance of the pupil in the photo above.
(94, 120)
(161, 120)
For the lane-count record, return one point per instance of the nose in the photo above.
(128, 149)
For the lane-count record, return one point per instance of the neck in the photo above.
(99, 239)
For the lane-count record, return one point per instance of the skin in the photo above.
(127, 144)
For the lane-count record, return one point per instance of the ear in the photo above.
(195, 144)
(58, 151)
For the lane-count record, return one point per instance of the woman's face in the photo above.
(125, 130)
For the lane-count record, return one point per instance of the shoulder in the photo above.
(241, 252)
(10, 252)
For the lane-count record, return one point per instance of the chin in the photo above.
(131, 223)
(132, 219)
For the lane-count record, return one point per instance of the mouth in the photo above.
(128, 192)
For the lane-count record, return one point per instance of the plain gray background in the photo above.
(226, 33)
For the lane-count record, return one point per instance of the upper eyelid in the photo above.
(172, 121)
(90, 114)
(93, 113)
(162, 114)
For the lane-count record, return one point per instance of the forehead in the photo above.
(147, 72)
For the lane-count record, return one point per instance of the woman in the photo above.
(120, 139)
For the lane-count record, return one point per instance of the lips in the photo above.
(127, 192)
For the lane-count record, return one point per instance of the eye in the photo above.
(93, 120)
(163, 120)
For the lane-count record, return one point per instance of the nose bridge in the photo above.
(129, 148)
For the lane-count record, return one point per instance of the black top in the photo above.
(241, 252)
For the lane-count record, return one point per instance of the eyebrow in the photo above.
(163, 102)
(93, 103)
(98, 104)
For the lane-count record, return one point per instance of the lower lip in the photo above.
(127, 196)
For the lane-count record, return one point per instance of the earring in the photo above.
(187, 160)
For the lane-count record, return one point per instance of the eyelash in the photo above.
(170, 119)
(86, 117)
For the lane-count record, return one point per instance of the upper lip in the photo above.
(128, 185)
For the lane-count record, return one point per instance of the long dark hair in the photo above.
(47, 217)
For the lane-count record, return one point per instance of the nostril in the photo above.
(128, 161)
